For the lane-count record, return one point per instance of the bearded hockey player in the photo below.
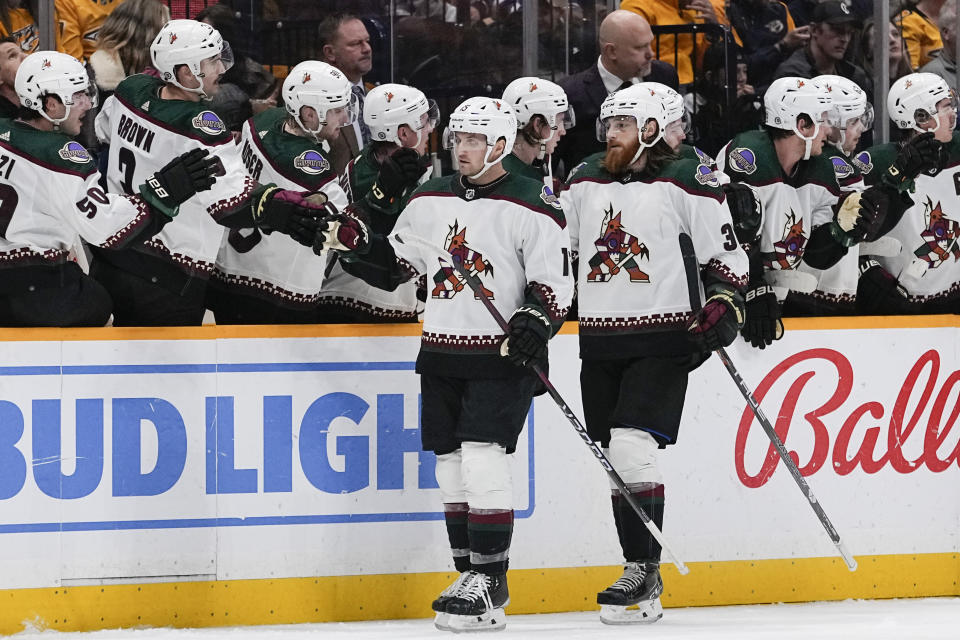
(379, 182)
(164, 280)
(926, 269)
(270, 278)
(509, 232)
(639, 337)
(543, 117)
(49, 195)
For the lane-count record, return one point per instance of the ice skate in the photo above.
(440, 621)
(478, 604)
(635, 597)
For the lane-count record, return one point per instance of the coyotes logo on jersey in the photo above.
(787, 251)
(939, 238)
(616, 250)
(448, 282)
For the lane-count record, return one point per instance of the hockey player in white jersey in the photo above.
(148, 120)
(509, 232)
(270, 278)
(639, 337)
(543, 117)
(378, 183)
(50, 198)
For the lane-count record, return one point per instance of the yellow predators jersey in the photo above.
(78, 22)
(921, 35)
(24, 28)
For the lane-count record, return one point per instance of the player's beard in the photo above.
(619, 157)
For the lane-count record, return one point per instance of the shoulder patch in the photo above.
(863, 161)
(704, 157)
(841, 168)
(311, 162)
(743, 160)
(706, 175)
(74, 152)
(209, 122)
(549, 197)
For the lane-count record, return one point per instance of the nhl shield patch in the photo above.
(743, 160)
(209, 122)
(74, 152)
(311, 162)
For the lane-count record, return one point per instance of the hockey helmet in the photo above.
(321, 86)
(187, 42)
(530, 97)
(640, 103)
(46, 73)
(848, 102)
(788, 98)
(490, 117)
(912, 100)
(672, 102)
(388, 106)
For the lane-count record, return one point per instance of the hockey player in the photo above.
(927, 268)
(49, 195)
(163, 281)
(543, 117)
(639, 337)
(508, 232)
(379, 182)
(272, 279)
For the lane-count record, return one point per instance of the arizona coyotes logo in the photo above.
(939, 238)
(497, 105)
(447, 280)
(389, 96)
(173, 38)
(306, 77)
(533, 87)
(788, 251)
(616, 250)
(46, 64)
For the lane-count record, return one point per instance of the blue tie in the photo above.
(364, 129)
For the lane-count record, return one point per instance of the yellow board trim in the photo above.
(394, 596)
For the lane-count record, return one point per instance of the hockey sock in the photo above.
(637, 542)
(490, 532)
(455, 515)
(615, 500)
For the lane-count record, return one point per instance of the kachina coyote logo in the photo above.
(447, 280)
(616, 250)
(788, 251)
(939, 238)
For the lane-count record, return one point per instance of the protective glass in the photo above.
(345, 115)
(90, 93)
(467, 142)
(616, 124)
(568, 118)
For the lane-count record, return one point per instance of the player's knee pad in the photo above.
(633, 453)
(449, 477)
(486, 476)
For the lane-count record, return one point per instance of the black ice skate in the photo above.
(440, 621)
(635, 597)
(478, 604)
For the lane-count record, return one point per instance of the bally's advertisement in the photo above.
(233, 456)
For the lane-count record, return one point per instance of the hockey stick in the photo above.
(474, 283)
(692, 268)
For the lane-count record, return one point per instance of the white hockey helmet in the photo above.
(847, 102)
(44, 73)
(912, 100)
(187, 42)
(788, 98)
(491, 117)
(672, 102)
(640, 103)
(388, 106)
(530, 97)
(321, 86)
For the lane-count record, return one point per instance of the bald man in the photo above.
(626, 57)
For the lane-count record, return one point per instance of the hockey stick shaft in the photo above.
(474, 283)
(692, 268)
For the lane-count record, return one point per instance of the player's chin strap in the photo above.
(486, 162)
(808, 142)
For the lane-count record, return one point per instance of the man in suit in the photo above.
(626, 57)
(345, 44)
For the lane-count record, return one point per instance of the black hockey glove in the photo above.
(294, 214)
(878, 292)
(923, 153)
(526, 342)
(180, 179)
(762, 324)
(860, 217)
(745, 210)
(398, 171)
(342, 233)
(717, 323)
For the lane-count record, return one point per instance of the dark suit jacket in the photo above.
(343, 149)
(585, 92)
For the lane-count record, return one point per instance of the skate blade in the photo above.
(442, 621)
(495, 620)
(644, 613)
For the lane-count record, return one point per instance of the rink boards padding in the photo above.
(264, 475)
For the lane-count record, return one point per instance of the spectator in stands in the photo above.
(11, 55)
(767, 34)
(626, 58)
(123, 43)
(679, 50)
(830, 35)
(944, 63)
(78, 22)
(180, 9)
(917, 23)
(899, 62)
(246, 89)
(17, 20)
